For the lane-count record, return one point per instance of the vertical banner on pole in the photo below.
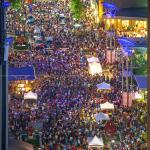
(110, 56)
(127, 99)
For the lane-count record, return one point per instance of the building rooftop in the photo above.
(139, 12)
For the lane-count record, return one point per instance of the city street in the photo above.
(80, 91)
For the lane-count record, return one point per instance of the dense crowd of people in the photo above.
(67, 93)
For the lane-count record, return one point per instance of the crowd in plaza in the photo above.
(67, 93)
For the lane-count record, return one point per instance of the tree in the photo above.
(76, 7)
(16, 4)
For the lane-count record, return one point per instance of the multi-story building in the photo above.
(126, 16)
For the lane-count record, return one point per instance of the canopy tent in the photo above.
(107, 105)
(103, 86)
(92, 59)
(101, 116)
(137, 95)
(95, 142)
(141, 82)
(30, 95)
(22, 73)
(95, 68)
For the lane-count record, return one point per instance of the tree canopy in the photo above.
(76, 7)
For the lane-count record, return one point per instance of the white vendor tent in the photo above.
(92, 59)
(95, 68)
(95, 142)
(103, 86)
(107, 105)
(101, 116)
(137, 95)
(30, 95)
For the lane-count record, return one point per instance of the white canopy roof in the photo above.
(107, 105)
(103, 86)
(137, 95)
(95, 68)
(30, 95)
(92, 59)
(97, 142)
(101, 116)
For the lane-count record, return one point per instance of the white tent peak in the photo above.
(96, 141)
(107, 105)
(95, 68)
(137, 95)
(30, 95)
(92, 59)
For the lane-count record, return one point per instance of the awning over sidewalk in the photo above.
(22, 73)
(141, 82)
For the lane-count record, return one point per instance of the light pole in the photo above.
(3, 81)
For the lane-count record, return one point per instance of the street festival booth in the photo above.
(137, 96)
(141, 81)
(107, 106)
(94, 66)
(101, 116)
(30, 99)
(95, 142)
(21, 78)
(92, 59)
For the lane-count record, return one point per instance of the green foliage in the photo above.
(76, 7)
(140, 62)
(16, 4)
(144, 136)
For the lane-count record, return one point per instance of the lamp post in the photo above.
(3, 80)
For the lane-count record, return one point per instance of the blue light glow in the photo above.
(6, 4)
(9, 40)
(125, 43)
(109, 6)
(109, 10)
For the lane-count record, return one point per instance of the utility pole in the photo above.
(148, 80)
(3, 81)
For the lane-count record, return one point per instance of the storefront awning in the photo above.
(22, 73)
(132, 42)
(141, 82)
